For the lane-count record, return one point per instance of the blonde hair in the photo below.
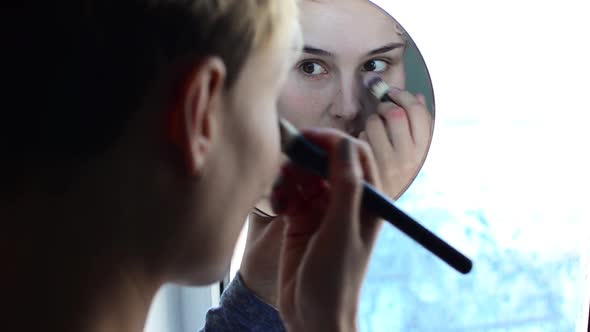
(236, 28)
(263, 17)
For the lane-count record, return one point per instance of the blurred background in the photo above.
(506, 178)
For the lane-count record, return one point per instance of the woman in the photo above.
(343, 42)
(132, 124)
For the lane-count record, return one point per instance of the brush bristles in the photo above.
(379, 88)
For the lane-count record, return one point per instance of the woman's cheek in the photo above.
(401, 78)
(396, 76)
(303, 104)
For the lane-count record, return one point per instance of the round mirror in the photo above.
(344, 41)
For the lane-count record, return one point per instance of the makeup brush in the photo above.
(309, 156)
(379, 89)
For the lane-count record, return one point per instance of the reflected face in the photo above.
(344, 40)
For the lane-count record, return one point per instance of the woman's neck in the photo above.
(121, 306)
(87, 292)
(58, 280)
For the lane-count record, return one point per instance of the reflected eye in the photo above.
(378, 66)
(312, 68)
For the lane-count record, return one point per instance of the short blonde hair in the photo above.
(235, 28)
(263, 17)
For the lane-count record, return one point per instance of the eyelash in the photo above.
(388, 62)
(313, 61)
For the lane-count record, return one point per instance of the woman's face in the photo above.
(343, 40)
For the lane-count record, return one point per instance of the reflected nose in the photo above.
(346, 105)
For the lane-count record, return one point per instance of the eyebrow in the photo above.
(316, 51)
(386, 48)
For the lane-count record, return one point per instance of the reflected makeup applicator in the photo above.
(311, 157)
(379, 89)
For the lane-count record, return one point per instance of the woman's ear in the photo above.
(191, 120)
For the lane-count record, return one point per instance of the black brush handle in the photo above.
(309, 156)
(384, 207)
(312, 158)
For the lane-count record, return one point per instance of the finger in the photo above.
(256, 228)
(263, 245)
(421, 98)
(379, 141)
(328, 140)
(298, 233)
(363, 137)
(368, 164)
(418, 115)
(299, 229)
(297, 189)
(346, 179)
(369, 228)
(425, 140)
(292, 253)
(398, 129)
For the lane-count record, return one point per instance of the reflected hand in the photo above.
(327, 238)
(399, 138)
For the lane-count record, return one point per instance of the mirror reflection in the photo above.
(344, 41)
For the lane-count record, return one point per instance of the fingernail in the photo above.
(344, 150)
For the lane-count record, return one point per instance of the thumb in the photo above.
(346, 179)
